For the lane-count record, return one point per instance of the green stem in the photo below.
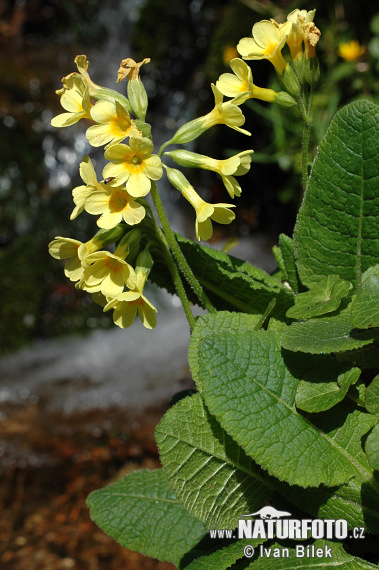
(304, 155)
(308, 120)
(179, 287)
(178, 283)
(177, 252)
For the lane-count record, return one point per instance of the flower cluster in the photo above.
(114, 265)
(269, 38)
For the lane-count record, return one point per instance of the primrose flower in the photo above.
(205, 212)
(130, 302)
(267, 43)
(295, 38)
(114, 125)
(108, 273)
(241, 86)
(75, 252)
(228, 114)
(75, 100)
(134, 164)
(351, 51)
(114, 205)
(237, 165)
(81, 193)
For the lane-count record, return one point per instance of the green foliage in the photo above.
(365, 307)
(336, 229)
(287, 405)
(142, 513)
(231, 284)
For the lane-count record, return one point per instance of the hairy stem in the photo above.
(177, 280)
(177, 252)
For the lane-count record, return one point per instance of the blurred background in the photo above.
(61, 356)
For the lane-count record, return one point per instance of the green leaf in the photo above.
(365, 307)
(326, 334)
(235, 323)
(229, 282)
(210, 474)
(317, 392)
(248, 388)
(323, 297)
(372, 397)
(337, 558)
(223, 558)
(336, 230)
(288, 255)
(143, 514)
(372, 447)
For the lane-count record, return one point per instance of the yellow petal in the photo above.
(64, 248)
(204, 230)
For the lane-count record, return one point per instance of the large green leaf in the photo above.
(142, 513)
(251, 392)
(365, 307)
(332, 556)
(210, 474)
(337, 226)
(234, 323)
(231, 283)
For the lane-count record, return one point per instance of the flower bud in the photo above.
(106, 237)
(312, 71)
(129, 245)
(284, 99)
(289, 81)
(137, 98)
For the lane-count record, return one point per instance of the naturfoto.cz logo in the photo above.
(270, 523)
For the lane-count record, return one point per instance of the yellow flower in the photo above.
(241, 86)
(237, 165)
(75, 100)
(114, 125)
(351, 51)
(81, 193)
(298, 33)
(114, 205)
(228, 114)
(75, 252)
(267, 43)
(129, 303)
(134, 164)
(205, 212)
(108, 273)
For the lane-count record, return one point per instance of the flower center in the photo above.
(136, 160)
(118, 201)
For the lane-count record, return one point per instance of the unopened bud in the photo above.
(129, 246)
(284, 99)
(289, 81)
(137, 98)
